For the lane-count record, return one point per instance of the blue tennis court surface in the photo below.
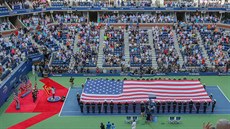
(71, 107)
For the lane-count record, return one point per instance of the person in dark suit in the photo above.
(126, 107)
(163, 104)
(190, 106)
(105, 106)
(158, 104)
(87, 107)
(185, 106)
(169, 105)
(205, 106)
(213, 105)
(174, 106)
(142, 107)
(198, 107)
(179, 106)
(119, 107)
(99, 107)
(134, 107)
(71, 80)
(81, 106)
(78, 97)
(111, 106)
(211, 97)
(93, 107)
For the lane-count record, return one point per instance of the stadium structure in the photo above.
(114, 64)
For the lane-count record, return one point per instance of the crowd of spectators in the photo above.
(36, 21)
(189, 46)
(88, 44)
(70, 18)
(40, 4)
(166, 54)
(137, 18)
(198, 18)
(60, 3)
(182, 4)
(113, 47)
(19, 4)
(139, 47)
(5, 25)
(13, 50)
(216, 43)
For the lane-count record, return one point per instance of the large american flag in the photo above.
(101, 90)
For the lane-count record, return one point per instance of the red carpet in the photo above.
(32, 121)
(42, 105)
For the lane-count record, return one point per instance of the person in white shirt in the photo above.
(134, 124)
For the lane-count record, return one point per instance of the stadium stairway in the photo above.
(126, 42)
(150, 36)
(181, 61)
(203, 49)
(100, 52)
(72, 63)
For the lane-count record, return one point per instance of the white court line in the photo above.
(64, 102)
(223, 94)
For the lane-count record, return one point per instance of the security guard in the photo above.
(119, 107)
(174, 106)
(198, 107)
(111, 106)
(134, 107)
(190, 106)
(81, 106)
(213, 105)
(158, 104)
(179, 106)
(169, 105)
(93, 106)
(87, 107)
(99, 107)
(205, 106)
(105, 106)
(185, 106)
(163, 106)
(126, 107)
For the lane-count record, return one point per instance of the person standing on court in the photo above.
(78, 97)
(213, 105)
(142, 106)
(198, 107)
(163, 104)
(119, 107)
(134, 107)
(185, 106)
(99, 107)
(158, 104)
(134, 124)
(105, 104)
(108, 125)
(111, 106)
(87, 107)
(205, 106)
(81, 106)
(169, 105)
(174, 106)
(102, 126)
(190, 106)
(126, 107)
(179, 106)
(93, 107)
